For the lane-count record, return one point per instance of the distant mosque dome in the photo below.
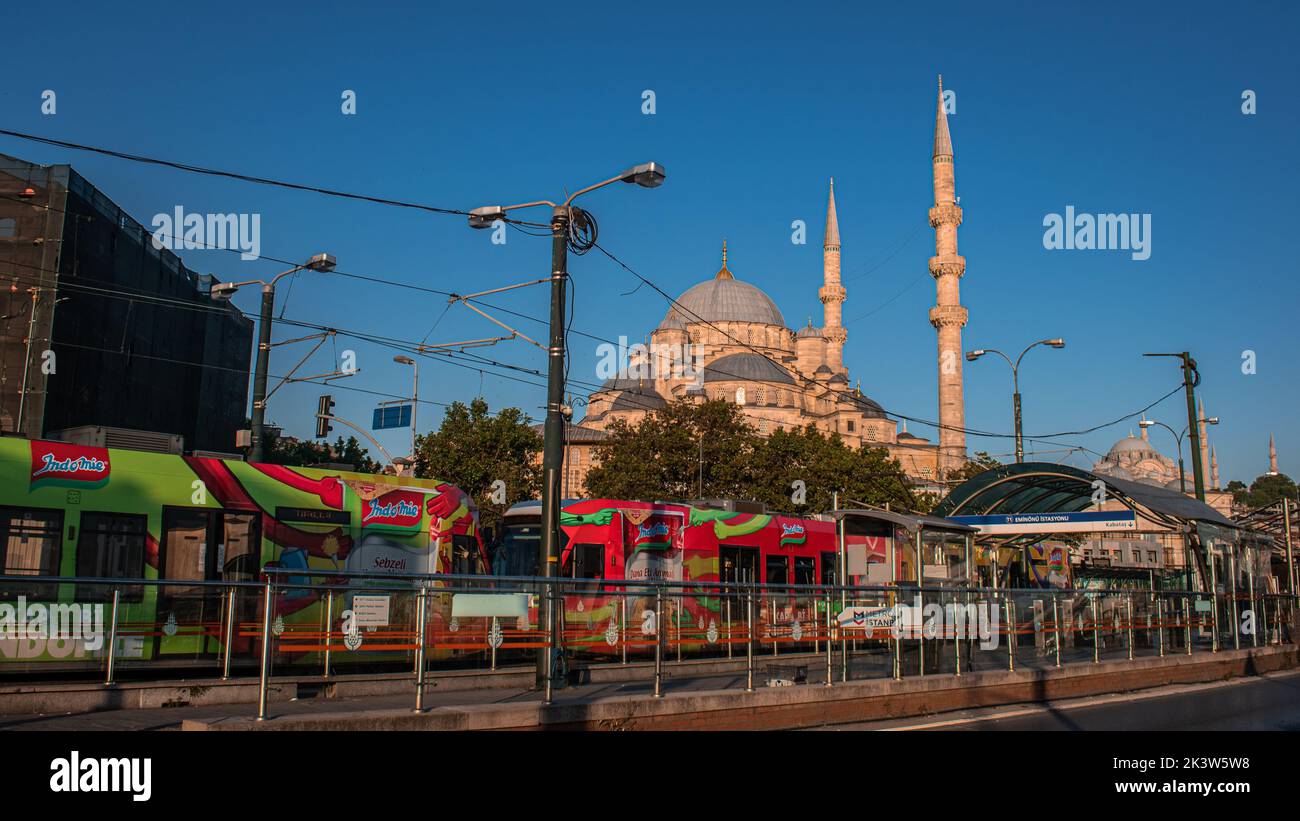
(1132, 445)
(722, 299)
(748, 367)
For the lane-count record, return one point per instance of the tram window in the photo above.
(464, 558)
(111, 546)
(805, 570)
(588, 561)
(777, 570)
(830, 568)
(29, 546)
(242, 557)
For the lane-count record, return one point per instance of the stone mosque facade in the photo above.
(742, 351)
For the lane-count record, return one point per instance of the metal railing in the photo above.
(318, 622)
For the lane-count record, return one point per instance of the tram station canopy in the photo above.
(1046, 487)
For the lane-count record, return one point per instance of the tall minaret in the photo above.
(832, 292)
(1272, 456)
(1214, 470)
(947, 316)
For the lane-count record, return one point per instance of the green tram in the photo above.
(75, 511)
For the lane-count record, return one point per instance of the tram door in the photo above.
(204, 545)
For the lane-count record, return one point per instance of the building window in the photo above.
(8, 229)
(852, 425)
(871, 433)
(759, 395)
(740, 395)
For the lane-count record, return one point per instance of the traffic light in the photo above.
(324, 409)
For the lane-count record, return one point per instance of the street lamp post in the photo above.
(319, 262)
(646, 175)
(971, 356)
(1178, 440)
(1191, 378)
(415, 399)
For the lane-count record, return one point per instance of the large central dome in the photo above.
(722, 299)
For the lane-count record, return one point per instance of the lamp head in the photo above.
(223, 290)
(405, 360)
(646, 175)
(971, 356)
(1213, 420)
(1145, 423)
(1056, 343)
(485, 216)
(322, 262)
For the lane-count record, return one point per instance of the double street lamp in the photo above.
(1015, 381)
(646, 175)
(224, 290)
(1178, 440)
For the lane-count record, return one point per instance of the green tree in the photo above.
(688, 451)
(474, 448)
(974, 467)
(1265, 490)
(306, 453)
(680, 451)
(825, 464)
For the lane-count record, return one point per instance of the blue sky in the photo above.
(1109, 108)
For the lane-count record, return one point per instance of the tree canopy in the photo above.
(473, 448)
(709, 450)
(306, 453)
(1265, 490)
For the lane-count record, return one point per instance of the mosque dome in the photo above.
(722, 299)
(746, 367)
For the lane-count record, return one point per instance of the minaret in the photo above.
(1200, 427)
(947, 316)
(1144, 429)
(1214, 470)
(1272, 456)
(832, 292)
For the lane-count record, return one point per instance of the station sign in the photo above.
(1090, 521)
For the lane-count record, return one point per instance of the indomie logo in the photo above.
(399, 508)
(653, 535)
(56, 463)
(792, 533)
(393, 510)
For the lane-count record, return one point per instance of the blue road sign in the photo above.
(392, 416)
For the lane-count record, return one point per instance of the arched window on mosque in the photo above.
(740, 395)
(759, 396)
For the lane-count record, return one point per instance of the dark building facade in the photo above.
(136, 339)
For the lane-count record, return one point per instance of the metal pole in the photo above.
(265, 679)
(553, 435)
(415, 406)
(749, 643)
(549, 672)
(623, 626)
(920, 614)
(659, 641)
(329, 624)
(492, 645)
(1096, 634)
(1214, 597)
(1236, 619)
(112, 637)
(419, 650)
(258, 434)
(1254, 622)
(1130, 626)
(1198, 471)
(1011, 633)
(1056, 625)
(1160, 624)
(678, 614)
(1020, 445)
(956, 640)
(1290, 562)
(1187, 623)
(728, 605)
(230, 632)
(829, 652)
